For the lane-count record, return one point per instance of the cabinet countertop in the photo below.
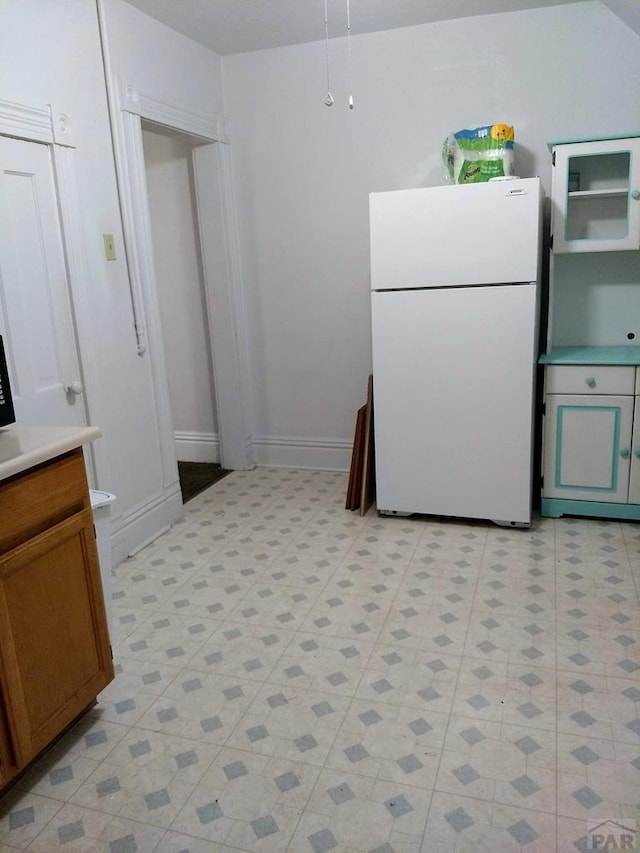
(592, 355)
(22, 448)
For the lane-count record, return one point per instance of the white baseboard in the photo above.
(137, 529)
(321, 454)
(197, 446)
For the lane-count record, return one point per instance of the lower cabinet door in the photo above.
(8, 767)
(54, 644)
(634, 481)
(587, 447)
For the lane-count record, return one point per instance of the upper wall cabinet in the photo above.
(596, 195)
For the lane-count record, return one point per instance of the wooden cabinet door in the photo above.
(587, 449)
(54, 646)
(8, 767)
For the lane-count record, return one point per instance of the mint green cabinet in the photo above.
(591, 424)
(592, 441)
(596, 196)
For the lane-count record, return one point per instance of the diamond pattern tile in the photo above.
(308, 679)
(525, 786)
(264, 826)
(459, 819)
(287, 782)
(341, 793)
(399, 806)
(522, 832)
(466, 774)
(472, 736)
(322, 841)
(587, 797)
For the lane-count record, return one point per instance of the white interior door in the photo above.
(35, 311)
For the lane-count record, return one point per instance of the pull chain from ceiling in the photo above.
(329, 99)
(351, 104)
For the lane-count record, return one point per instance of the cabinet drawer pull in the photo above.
(625, 453)
(635, 194)
(591, 382)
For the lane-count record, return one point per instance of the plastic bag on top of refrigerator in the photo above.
(479, 154)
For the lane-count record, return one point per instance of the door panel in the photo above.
(634, 482)
(587, 447)
(35, 312)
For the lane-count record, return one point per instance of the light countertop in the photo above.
(22, 448)
(592, 355)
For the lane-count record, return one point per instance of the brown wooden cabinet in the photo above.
(55, 655)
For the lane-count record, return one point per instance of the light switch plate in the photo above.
(109, 247)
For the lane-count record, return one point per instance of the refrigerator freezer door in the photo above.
(456, 235)
(453, 388)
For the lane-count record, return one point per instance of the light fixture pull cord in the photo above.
(351, 104)
(329, 99)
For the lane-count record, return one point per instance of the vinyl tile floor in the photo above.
(292, 677)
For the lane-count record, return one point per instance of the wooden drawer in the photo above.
(31, 503)
(589, 379)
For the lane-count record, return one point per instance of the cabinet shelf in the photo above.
(605, 193)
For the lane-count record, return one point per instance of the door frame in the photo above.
(213, 179)
(46, 125)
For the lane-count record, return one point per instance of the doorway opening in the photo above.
(186, 335)
(195, 477)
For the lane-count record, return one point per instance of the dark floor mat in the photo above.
(195, 477)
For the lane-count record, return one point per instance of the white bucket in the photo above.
(101, 507)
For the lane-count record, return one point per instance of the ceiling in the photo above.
(238, 26)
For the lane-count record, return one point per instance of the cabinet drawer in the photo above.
(31, 503)
(589, 379)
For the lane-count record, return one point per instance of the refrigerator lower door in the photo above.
(454, 376)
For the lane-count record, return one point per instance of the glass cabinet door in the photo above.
(596, 196)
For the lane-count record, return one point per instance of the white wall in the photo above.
(180, 293)
(164, 65)
(51, 54)
(158, 60)
(304, 172)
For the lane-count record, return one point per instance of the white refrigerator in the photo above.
(455, 305)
